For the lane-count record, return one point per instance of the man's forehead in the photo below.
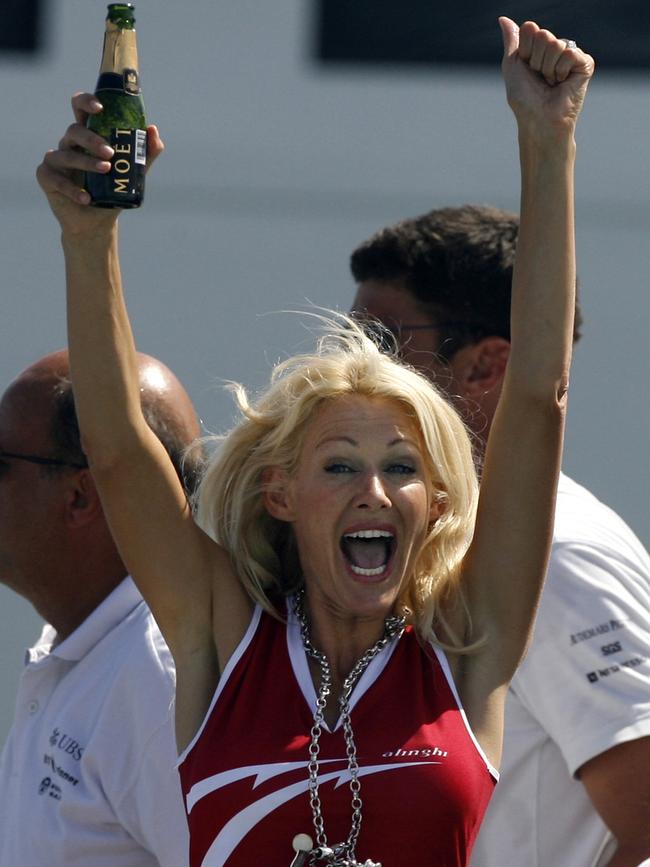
(391, 302)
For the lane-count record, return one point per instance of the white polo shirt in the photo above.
(87, 775)
(583, 688)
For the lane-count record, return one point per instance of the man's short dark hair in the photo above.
(66, 437)
(457, 262)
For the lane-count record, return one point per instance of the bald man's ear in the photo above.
(82, 503)
(480, 367)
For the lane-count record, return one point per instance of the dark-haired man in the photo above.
(87, 775)
(575, 786)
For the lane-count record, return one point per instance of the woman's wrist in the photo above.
(552, 143)
(546, 160)
(90, 239)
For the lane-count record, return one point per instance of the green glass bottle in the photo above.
(122, 120)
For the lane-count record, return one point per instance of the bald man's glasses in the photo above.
(44, 462)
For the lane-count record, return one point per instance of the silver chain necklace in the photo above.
(340, 854)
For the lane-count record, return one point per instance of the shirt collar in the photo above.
(111, 611)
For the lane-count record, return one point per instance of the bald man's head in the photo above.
(165, 404)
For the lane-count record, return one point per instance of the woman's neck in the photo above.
(343, 639)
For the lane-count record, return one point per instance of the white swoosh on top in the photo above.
(234, 831)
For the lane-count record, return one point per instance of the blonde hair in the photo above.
(229, 502)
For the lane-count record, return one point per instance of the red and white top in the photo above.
(425, 782)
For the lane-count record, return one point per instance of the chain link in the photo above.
(342, 854)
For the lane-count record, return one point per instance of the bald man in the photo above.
(87, 776)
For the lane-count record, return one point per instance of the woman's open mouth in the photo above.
(368, 552)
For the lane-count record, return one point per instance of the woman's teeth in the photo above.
(367, 551)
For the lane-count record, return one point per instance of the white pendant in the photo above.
(302, 846)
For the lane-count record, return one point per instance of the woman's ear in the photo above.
(437, 506)
(276, 494)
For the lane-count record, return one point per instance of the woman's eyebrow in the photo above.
(397, 441)
(337, 438)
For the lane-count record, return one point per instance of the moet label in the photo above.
(129, 160)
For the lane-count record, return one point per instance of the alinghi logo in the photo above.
(426, 753)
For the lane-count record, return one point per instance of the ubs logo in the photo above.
(69, 745)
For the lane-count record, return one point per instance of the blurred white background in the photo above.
(275, 169)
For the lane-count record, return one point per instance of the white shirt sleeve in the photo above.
(586, 678)
(135, 750)
(151, 806)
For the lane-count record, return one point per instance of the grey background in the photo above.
(275, 169)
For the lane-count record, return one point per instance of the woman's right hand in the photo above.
(60, 175)
(546, 77)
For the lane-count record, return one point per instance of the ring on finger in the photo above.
(569, 43)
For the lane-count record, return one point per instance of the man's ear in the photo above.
(480, 367)
(82, 503)
(276, 494)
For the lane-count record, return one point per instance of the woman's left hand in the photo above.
(546, 78)
(61, 173)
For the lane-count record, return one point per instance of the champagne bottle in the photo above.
(121, 121)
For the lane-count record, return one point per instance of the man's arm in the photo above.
(618, 784)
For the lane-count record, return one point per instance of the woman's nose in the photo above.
(373, 493)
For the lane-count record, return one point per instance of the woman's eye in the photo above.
(338, 468)
(401, 469)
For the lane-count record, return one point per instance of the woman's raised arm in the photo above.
(176, 566)
(546, 80)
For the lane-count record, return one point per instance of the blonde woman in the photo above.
(344, 619)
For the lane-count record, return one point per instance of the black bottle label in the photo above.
(126, 82)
